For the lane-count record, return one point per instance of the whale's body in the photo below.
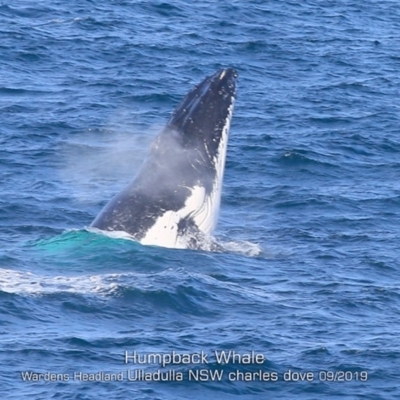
(174, 199)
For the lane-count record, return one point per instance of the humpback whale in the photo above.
(175, 197)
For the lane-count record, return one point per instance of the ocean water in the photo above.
(308, 279)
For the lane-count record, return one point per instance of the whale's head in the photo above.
(200, 124)
(175, 197)
(203, 116)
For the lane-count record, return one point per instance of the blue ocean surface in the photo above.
(305, 292)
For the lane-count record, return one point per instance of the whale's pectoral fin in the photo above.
(192, 237)
(188, 229)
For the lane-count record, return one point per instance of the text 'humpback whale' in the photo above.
(174, 199)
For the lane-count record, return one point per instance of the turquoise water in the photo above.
(309, 224)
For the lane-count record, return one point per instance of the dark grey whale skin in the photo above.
(182, 156)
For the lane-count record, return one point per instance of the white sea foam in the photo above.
(241, 247)
(20, 282)
(111, 234)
